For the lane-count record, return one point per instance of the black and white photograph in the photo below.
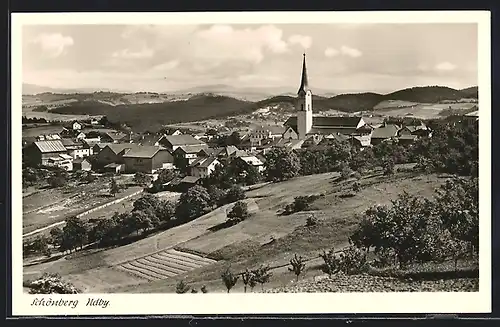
(239, 155)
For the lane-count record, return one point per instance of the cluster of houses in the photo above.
(107, 150)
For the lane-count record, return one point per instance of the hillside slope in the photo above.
(152, 117)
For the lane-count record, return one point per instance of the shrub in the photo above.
(235, 193)
(300, 203)
(204, 289)
(311, 221)
(332, 264)
(352, 260)
(182, 287)
(356, 187)
(51, 284)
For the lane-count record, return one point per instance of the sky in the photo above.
(162, 58)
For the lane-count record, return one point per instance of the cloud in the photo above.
(445, 66)
(351, 52)
(167, 65)
(303, 40)
(223, 42)
(54, 44)
(331, 52)
(128, 54)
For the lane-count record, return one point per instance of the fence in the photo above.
(109, 204)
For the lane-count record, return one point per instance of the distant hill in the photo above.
(353, 102)
(471, 92)
(31, 89)
(149, 110)
(152, 117)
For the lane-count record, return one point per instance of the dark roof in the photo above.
(328, 121)
(142, 151)
(50, 146)
(80, 160)
(182, 140)
(69, 142)
(385, 132)
(119, 147)
(191, 148)
(116, 136)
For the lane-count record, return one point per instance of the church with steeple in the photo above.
(304, 125)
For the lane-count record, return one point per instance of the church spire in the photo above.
(304, 85)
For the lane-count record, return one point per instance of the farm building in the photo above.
(146, 159)
(203, 167)
(97, 147)
(384, 133)
(82, 164)
(38, 153)
(114, 168)
(188, 154)
(114, 137)
(188, 182)
(76, 149)
(172, 142)
(61, 160)
(113, 153)
(253, 161)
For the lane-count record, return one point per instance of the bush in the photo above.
(300, 203)
(235, 193)
(311, 221)
(51, 284)
(182, 287)
(356, 187)
(332, 264)
(352, 261)
(204, 289)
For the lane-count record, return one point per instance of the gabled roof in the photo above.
(228, 150)
(252, 160)
(50, 146)
(385, 132)
(116, 148)
(274, 129)
(116, 136)
(473, 114)
(102, 145)
(142, 151)
(191, 148)
(113, 165)
(204, 162)
(176, 140)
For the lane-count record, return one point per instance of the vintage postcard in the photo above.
(252, 163)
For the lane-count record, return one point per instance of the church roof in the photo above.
(333, 122)
(304, 83)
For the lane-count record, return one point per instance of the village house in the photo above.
(203, 166)
(172, 142)
(114, 137)
(186, 155)
(384, 133)
(46, 153)
(82, 164)
(80, 136)
(146, 159)
(97, 147)
(76, 149)
(188, 182)
(472, 116)
(113, 153)
(266, 132)
(76, 126)
(253, 161)
(288, 144)
(48, 137)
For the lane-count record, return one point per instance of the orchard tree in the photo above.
(193, 203)
(281, 164)
(235, 193)
(239, 212)
(229, 279)
(75, 234)
(297, 266)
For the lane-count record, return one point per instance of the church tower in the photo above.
(304, 105)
